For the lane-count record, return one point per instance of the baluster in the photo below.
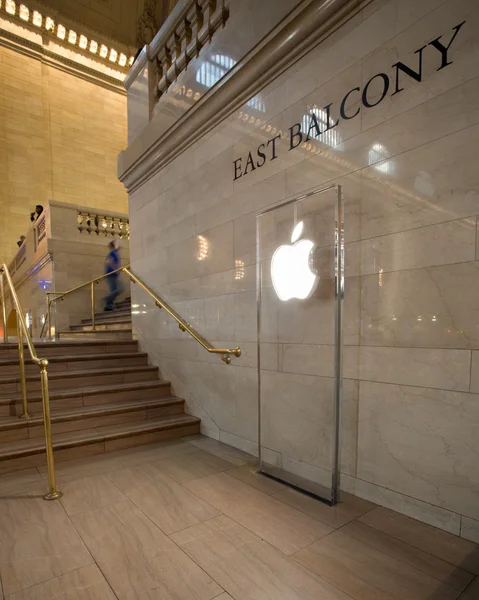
(206, 31)
(194, 18)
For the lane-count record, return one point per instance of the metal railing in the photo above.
(22, 330)
(52, 297)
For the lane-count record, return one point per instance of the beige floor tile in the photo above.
(472, 592)
(427, 563)
(167, 503)
(87, 583)
(89, 493)
(281, 525)
(249, 474)
(450, 548)
(224, 596)
(138, 560)
(232, 455)
(350, 507)
(365, 573)
(248, 568)
(37, 543)
(80, 468)
(192, 466)
(153, 452)
(9, 481)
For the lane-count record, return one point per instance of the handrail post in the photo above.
(53, 493)
(4, 310)
(21, 360)
(49, 317)
(93, 305)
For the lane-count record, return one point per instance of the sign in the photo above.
(373, 93)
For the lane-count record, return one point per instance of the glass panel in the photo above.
(300, 290)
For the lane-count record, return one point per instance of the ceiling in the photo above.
(132, 22)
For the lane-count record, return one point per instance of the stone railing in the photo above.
(189, 28)
(105, 225)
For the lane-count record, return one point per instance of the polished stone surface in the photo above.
(409, 176)
(154, 523)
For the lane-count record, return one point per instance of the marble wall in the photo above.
(408, 168)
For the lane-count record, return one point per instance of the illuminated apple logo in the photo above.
(291, 268)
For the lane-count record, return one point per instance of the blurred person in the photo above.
(112, 263)
(21, 240)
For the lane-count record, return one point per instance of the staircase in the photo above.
(108, 325)
(104, 396)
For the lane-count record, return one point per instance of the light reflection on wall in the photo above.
(203, 247)
(330, 137)
(378, 155)
(239, 269)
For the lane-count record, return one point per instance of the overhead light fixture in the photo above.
(93, 46)
(103, 51)
(37, 18)
(113, 55)
(24, 12)
(83, 43)
(49, 24)
(61, 32)
(72, 37)
(130, 62)
(122, 60)
(10, 7)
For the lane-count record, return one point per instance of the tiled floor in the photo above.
(191, 520)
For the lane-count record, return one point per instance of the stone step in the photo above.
(65, 420)
(113, 325)
(47, 348)
(28, 453)
(119, 334)
(88, 396)
(73, 362)
(106, 317)
(79, 379)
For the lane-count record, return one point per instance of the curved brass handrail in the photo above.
(226, 353)
(22, 330)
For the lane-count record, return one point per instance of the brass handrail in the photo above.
(160, 303)
(22, 330)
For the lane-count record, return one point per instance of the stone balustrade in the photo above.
(103, 225)
(189, 28)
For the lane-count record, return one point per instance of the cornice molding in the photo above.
(306, 26)
(39, 52)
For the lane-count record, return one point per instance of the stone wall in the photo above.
(408, 166)
(59, 137)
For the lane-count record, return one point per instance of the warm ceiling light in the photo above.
(37, 18)
(83, 43)
(72, 37)
(103, 51)
(49, 24)
(24, 12)
(130, 62)
(93, 46)
(122, 60)
(61, 32)
(10, 7)
(113, 55)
